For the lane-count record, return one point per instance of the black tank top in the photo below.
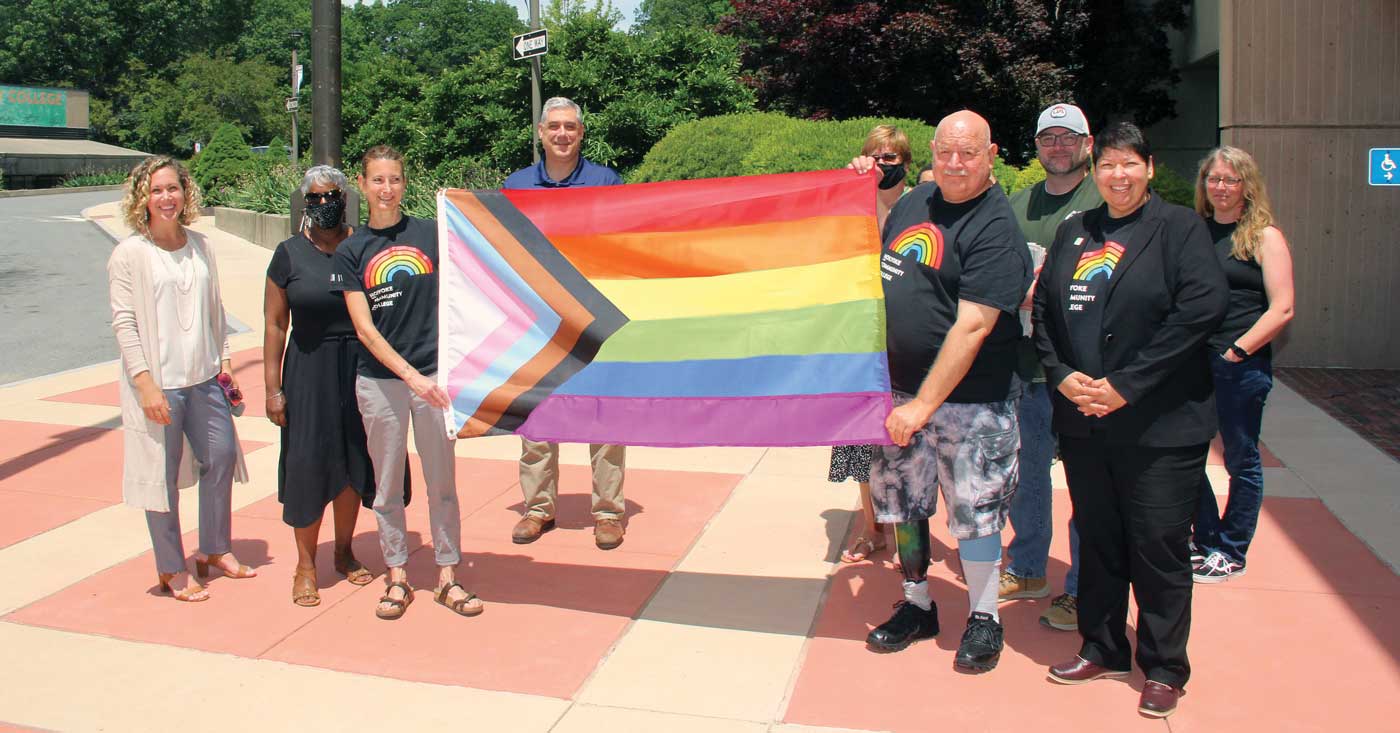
(1248, 300)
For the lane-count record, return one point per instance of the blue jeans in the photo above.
(1031, 511)
(1240, 391)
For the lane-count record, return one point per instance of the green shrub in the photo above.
(94, 177)
(1029, 176)
(266, 189)
(712, 147)
(807, 145)
(222, 163)
(1172, 187)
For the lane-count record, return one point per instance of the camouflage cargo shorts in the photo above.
(969, 451)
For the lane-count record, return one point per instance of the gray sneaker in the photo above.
(1063, 613)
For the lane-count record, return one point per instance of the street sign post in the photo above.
(527, 45)
(292, 104)
(1384, 167)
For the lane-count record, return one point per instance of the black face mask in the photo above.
(326, 215)
(894, 175)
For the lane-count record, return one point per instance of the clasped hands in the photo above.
(1093, 397)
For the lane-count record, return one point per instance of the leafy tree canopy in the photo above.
(655, 15)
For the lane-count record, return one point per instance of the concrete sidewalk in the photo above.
(724, 610)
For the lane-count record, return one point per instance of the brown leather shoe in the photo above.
(529, 529)
(607, 533)
(1158, 699)
(1079, 670)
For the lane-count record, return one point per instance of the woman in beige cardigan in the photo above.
(170, 328)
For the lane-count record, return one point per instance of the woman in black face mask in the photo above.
(887, 147)
(311, 386)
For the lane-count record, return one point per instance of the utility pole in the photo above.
(325, 82)
(291, 100)
(535, 87)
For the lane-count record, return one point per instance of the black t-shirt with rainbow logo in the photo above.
(1085, 292)
(935, 254)
(397, 270)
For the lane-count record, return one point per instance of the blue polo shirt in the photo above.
(586, 173)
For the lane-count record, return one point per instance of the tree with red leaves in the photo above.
(1006, 59)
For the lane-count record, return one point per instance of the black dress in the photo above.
(323, 442)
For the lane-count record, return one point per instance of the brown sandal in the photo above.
(347, 565)
(461, 606)
(399, 605)
(189, 594)
(862, 548)
(201, 567)
(304, 592)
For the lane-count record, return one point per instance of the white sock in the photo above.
(982, 580)
(917, 594)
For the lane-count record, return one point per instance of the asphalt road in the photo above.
(54, 313)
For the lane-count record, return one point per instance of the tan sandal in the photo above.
(400, 606)
(347, 565)
(192, 593)
(201, 567)
(862, 548)
(304, 592)
(469, 606)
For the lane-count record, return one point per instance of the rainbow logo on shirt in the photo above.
(923, 242)
(394, 261)
(1097, 262)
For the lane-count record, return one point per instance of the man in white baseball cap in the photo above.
(1062, 145)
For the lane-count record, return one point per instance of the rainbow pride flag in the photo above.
(740, 311)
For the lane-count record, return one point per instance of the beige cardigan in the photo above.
(138, 339)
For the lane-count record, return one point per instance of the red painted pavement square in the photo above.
(247, 367)
(27, 515)
(1312, 589)
(61, 460)
(554, 607)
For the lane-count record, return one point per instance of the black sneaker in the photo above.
(908, 624)
(981, 644)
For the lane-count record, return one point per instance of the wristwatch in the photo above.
(1237, 351)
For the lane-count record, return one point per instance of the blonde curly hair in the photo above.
(138, 193)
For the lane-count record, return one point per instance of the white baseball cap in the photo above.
(1067, 116)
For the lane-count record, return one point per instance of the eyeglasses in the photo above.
(1064, 139)
(322, 198)
(886, 157)
(1226, 182)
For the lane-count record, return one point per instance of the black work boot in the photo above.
(908, 624)
(981, 644)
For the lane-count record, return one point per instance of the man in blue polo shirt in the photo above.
(561, 134)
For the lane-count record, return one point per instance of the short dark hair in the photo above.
(1122, 135)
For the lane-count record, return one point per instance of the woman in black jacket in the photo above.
(1128, 296)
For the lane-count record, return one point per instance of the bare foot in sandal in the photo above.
(397, 595)
(451, 594)
(862, 548)
(188, 591)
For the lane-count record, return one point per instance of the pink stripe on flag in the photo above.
(833, 419)
(518, 318)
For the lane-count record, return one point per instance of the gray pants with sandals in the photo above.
(200, 414)
(388, 407)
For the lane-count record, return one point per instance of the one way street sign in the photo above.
(534, 43)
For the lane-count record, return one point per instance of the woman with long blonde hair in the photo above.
(1230, 195)
(177, 378)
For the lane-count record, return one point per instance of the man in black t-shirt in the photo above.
(955, 270)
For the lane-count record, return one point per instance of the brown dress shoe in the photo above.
(607, 533)
(529, 529)
(1079, 670)
(1158, 699)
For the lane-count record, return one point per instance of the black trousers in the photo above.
(1133, 507)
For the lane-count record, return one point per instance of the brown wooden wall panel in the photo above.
(1303, 62)
(1308, 88)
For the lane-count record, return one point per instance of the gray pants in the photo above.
(200, 414)
(539, 478)
(388, 406)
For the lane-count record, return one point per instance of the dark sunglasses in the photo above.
(322, 198)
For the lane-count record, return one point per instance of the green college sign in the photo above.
(33, 107)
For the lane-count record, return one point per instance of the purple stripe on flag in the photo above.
(797, 420)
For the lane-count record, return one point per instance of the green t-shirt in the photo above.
(1040, 214)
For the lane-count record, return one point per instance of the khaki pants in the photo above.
(539, 478)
